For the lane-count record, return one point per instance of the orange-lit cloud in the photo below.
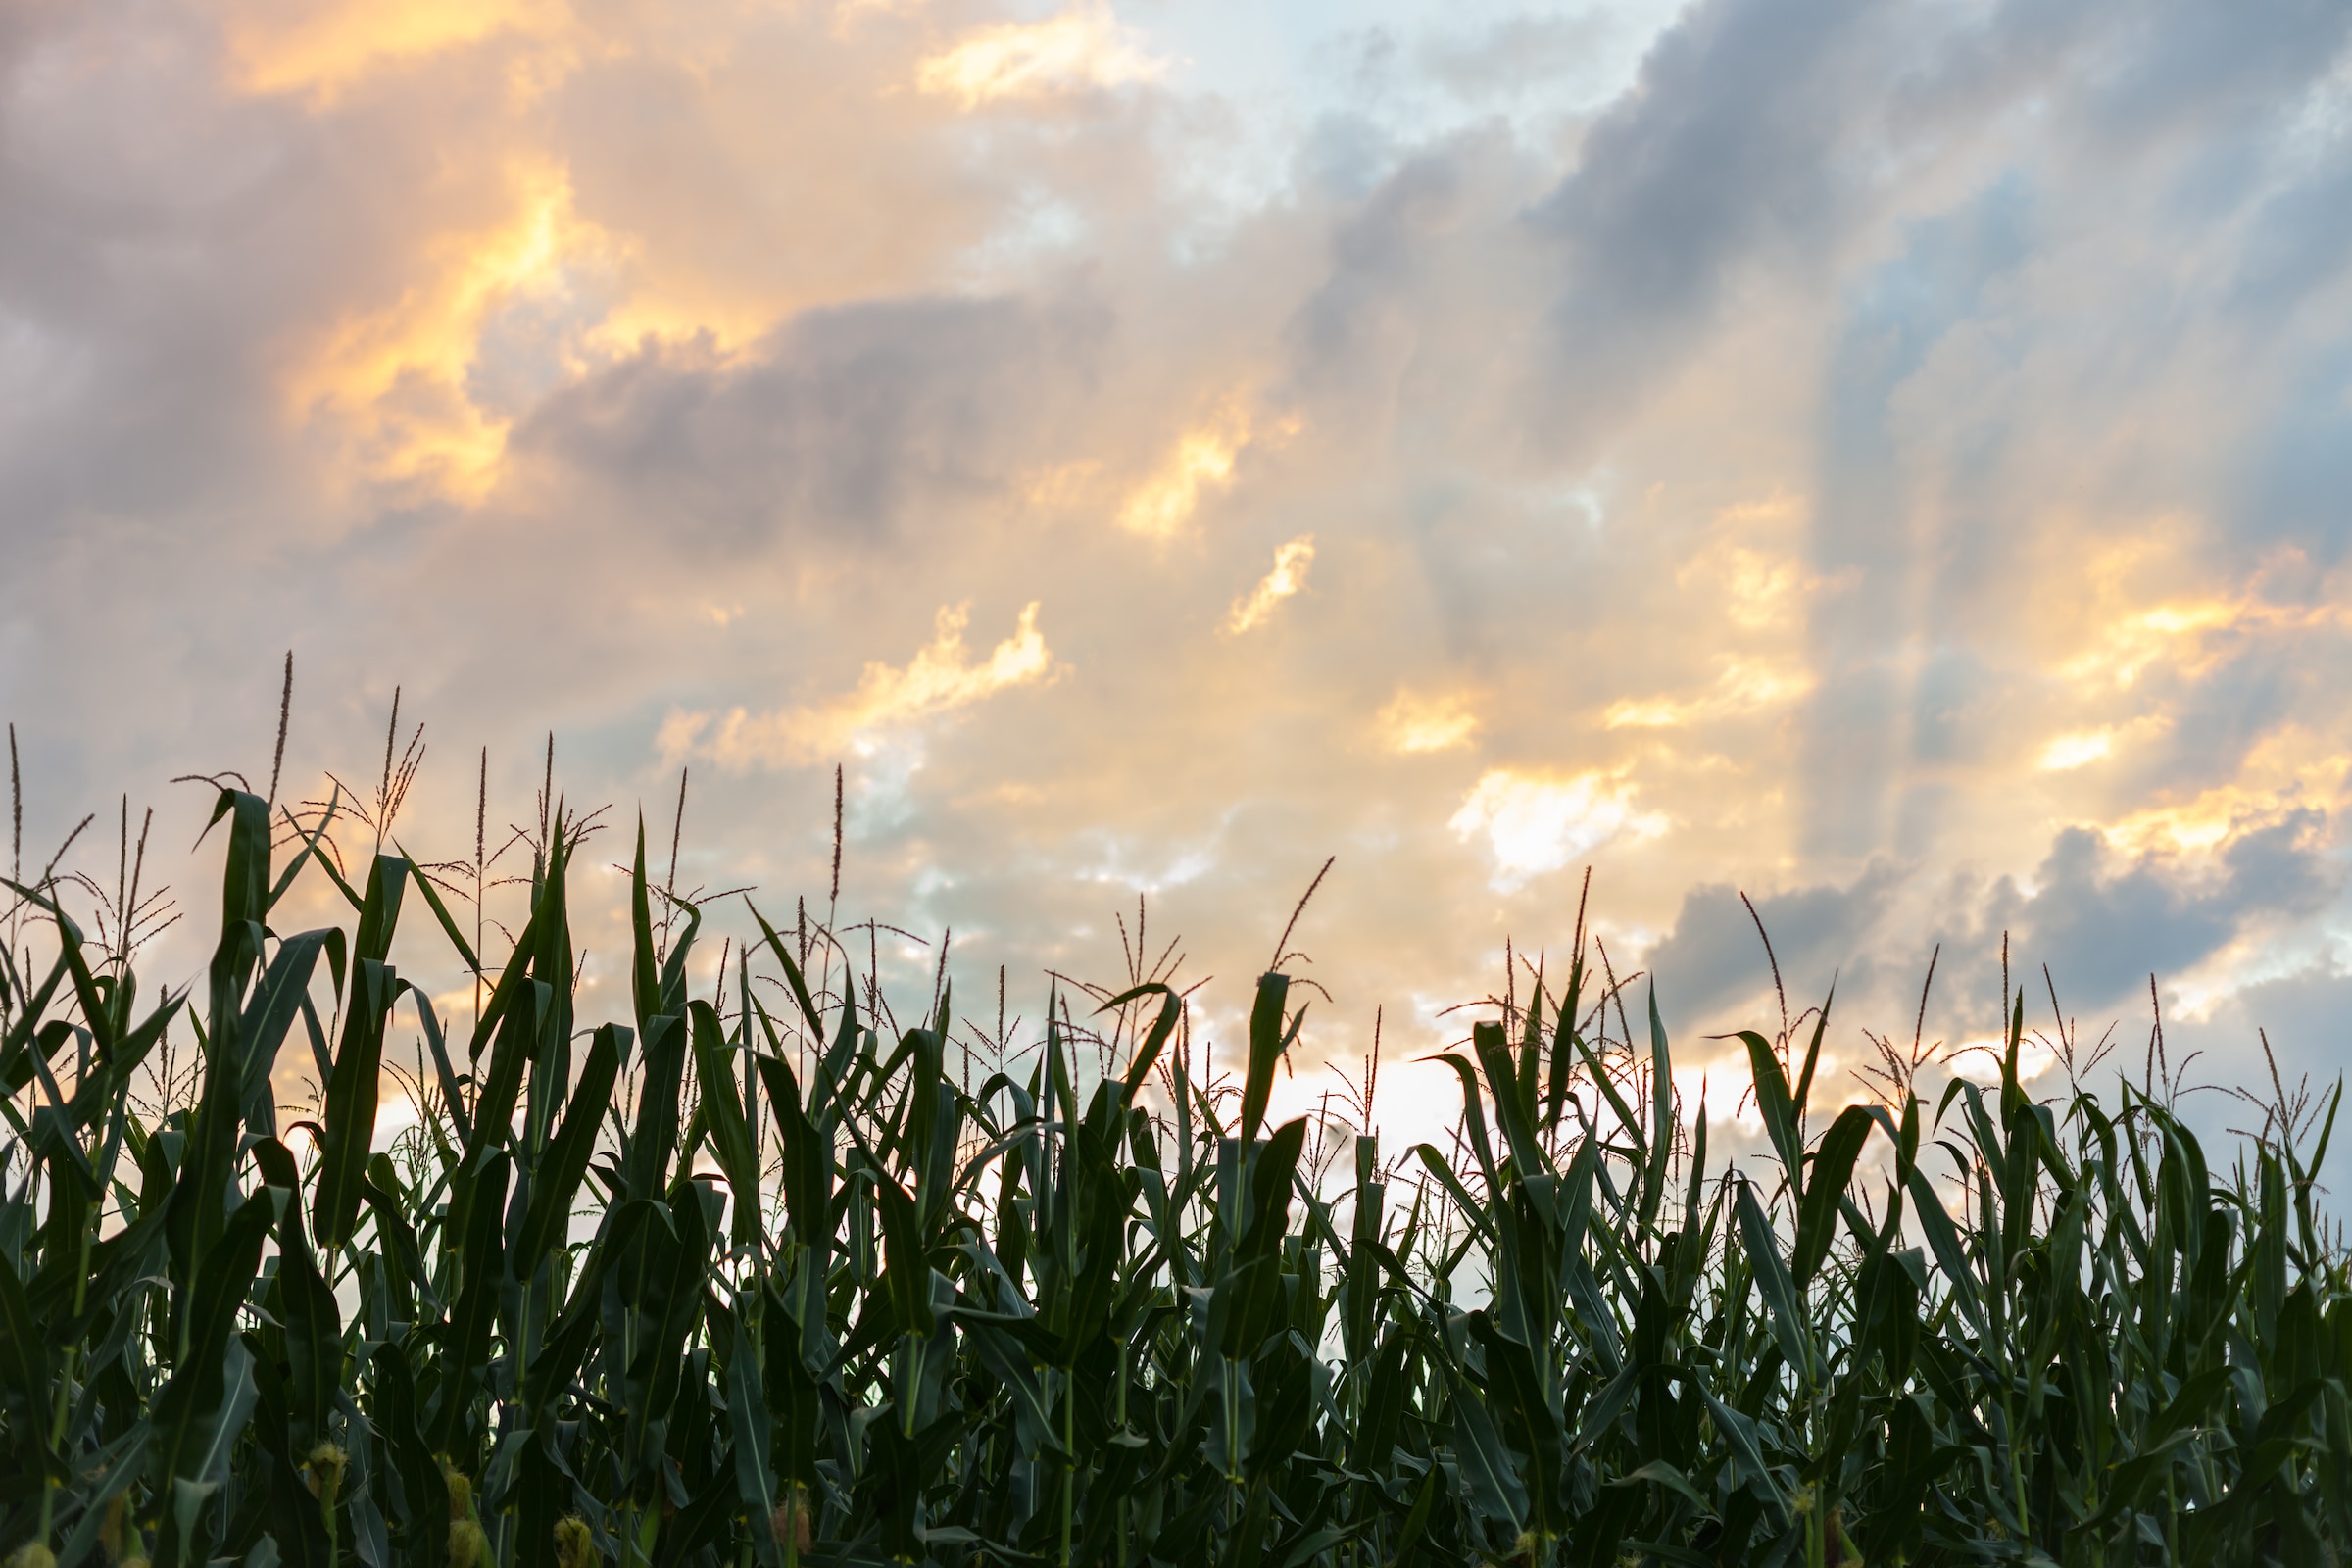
(2291, 770)
(1204, 460)
(2138, 617)
(1414, 724)
(941, 678)
(1744, 686)
(1750, 564)
(1291, 563)
(322, 46)
(1082, 48)
(395, 383)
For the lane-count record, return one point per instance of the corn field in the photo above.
(763, 1280)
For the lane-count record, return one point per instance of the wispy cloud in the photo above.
(1202, 461)
(942, 677)
(1082, 48)
(324, 46)
(1744, 686)
(1416, 723)
(1291, 563)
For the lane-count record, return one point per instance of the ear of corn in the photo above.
(730, 1286)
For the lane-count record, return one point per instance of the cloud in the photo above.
(941, 678)
(1535, 824)
(1714, 953)
(2075, 747)
(1204, 460)
(836, 424)
(1743, 687)
(1079, 49)
(2106, 923)
(1291, 563)
(423, 390)
(1759, 435)
(1414, 724)
(323, 48)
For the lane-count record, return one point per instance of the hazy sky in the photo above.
(1894, 460)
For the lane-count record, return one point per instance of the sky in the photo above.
(1891, 460)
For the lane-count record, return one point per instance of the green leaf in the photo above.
(1659, 1473)
(1775, 1107)
(1171, 1009)
(556, 1185)
(1773, 1282)
(1662, 1096)
(1487, 1474)
(1832, 1168)
(480, 1265)
(1267, 1042)
(723, 1106)
(350, 1101)
(314, 1332)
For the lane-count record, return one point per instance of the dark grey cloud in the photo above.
(2304, 1017)
(2101, 922)
(1713, 954)
(1735, 145)
(836, 425)
(2105, 927)
(2297, 486)
(1381, 248)
(2187, 66)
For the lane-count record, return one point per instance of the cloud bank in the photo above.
(1892, 462)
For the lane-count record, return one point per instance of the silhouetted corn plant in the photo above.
(715, 1287)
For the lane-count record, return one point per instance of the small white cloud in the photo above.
(940, 678)
(1534, 823)
(1291, 561)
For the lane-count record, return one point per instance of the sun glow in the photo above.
(1536, 822)
(2075, 750)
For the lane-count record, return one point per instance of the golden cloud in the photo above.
(939, 680)
(1205, 458)
(1744, 686)
(2131, 626)
(1083, 48)
(1291, 563)
(279, 46)
(2293, 770)
(1414, 724)
(396, 381)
